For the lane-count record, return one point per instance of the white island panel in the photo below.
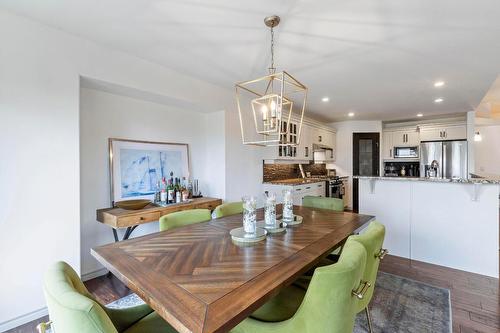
(448, 228)
(443, 223)
(390, 204)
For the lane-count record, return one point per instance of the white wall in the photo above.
(39, 124)
(104, 115)
(343, 160)
(487, 151)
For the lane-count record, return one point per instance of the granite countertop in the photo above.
(437, 180)
(297, 181)
(301, 181)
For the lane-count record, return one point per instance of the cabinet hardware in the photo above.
(390, 152)
(320, 138)
(308, 188)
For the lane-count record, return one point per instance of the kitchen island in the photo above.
(453, 223)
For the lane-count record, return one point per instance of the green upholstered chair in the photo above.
(73, 309)
(325, 203)
(328, 305)
(372, 239)
(322, 202)
(229, 208)
(182, 218)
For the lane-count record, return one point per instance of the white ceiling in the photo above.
(377, 58)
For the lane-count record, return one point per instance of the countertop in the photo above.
(301, 181)
(437, 180)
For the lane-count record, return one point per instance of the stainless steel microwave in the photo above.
(406, 152)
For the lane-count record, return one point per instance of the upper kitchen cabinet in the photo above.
(322, 136)
(305, 146)
(387, 145)
(311, 133)
(443, 132)
(408, 137)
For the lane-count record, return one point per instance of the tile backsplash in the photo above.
(272, 172)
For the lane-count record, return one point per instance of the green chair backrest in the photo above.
(372, 240)
(185, 217)
(229, 208)
(322, 202)
(71, 307)
(329, 305)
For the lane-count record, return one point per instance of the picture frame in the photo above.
(136, 166)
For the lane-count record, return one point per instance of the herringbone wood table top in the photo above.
(198, 280)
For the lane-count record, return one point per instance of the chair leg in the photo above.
(369, 319)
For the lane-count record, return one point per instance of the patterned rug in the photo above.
(398, 305)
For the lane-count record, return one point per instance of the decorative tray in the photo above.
(239, 235)
(271, 230)
(297, 219)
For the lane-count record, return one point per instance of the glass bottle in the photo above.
(270, 211)
(249, 214)
(287, 206)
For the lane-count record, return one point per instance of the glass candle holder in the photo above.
(249, 215)
(270, 211)
(287, 206)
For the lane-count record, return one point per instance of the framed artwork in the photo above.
(136, 167)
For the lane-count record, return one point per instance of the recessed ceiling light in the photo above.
(325, 99)
(438, 100)
(420, 115)
(351, 114)
(438, 84)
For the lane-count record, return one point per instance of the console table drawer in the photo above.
(138, 219)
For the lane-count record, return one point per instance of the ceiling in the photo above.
(376, 58)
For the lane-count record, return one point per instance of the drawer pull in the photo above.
(141, 218)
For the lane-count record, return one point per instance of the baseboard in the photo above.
(94, 274)
(21, 320)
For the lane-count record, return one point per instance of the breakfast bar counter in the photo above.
(453, 223)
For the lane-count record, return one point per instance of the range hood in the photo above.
(322, 153)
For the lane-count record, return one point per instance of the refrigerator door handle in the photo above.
(445, 173)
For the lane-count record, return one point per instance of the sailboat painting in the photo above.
(137, 166)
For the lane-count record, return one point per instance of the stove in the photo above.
(336, 187)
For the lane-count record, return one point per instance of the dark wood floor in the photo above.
(475, 298)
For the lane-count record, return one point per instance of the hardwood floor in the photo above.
(474, 298)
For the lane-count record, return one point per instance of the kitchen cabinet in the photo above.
(298, 191)
(302, 152)
(447, 132)
(387, 146)
(405, 138)
(305, 146)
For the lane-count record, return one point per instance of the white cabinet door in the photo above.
(455, 132)
(412, 138)
(388, 147)
(399, 138)
(431, 134)
(305, 147)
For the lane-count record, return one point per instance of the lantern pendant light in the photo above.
(271, 108)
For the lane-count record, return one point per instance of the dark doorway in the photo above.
(365, 160)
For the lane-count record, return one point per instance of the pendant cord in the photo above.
(272, 69)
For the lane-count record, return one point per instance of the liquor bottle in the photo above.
(157, 193)
(163, 193)
(178, 193)
(170, 190)
(184, 190)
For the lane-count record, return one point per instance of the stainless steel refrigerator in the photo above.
(443, 159)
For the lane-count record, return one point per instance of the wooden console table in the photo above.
(121, 218)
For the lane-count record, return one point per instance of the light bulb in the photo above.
(264, 112)
(273, 105)
(478, 137)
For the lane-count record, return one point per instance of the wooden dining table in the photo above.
(199, 280)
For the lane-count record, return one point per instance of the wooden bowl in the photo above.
(133, 204)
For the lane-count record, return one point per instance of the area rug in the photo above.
(398, 305)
